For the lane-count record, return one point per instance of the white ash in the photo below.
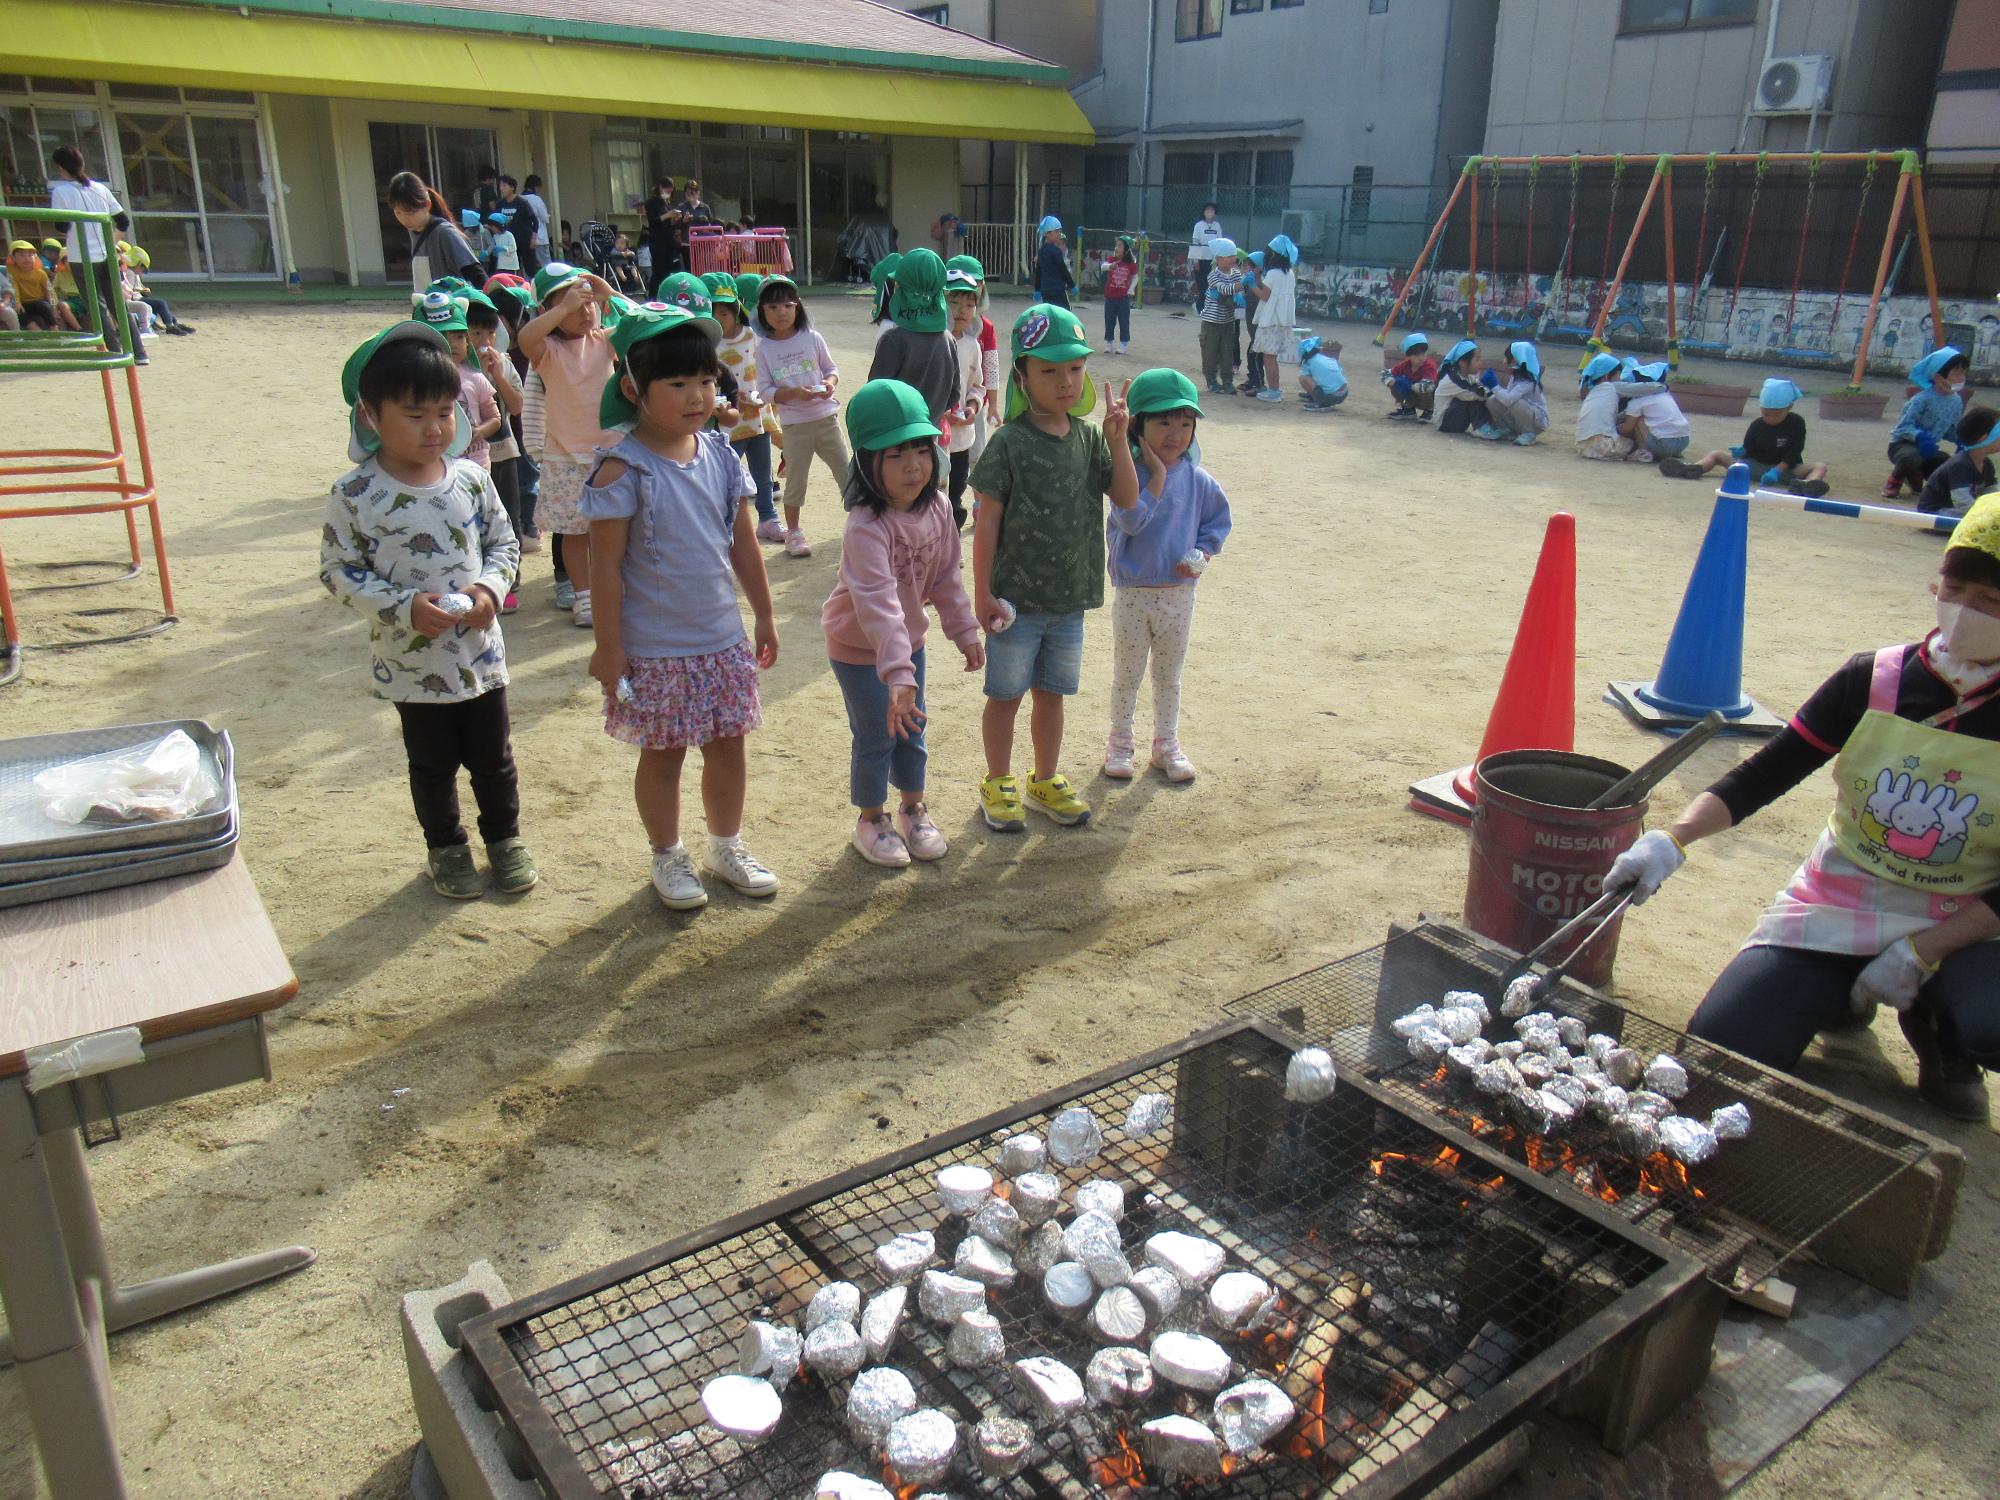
(1599, 1045)
(1093, 1239)
(1193, 1260)
(1411, 1022)
(1562, 1114)
(1249, 1415)
(1068, 1288)
(1731, 1122)
(984, 1262)
(921, 1446)
(976, 1342)
(1460, 1023)
(877, 1400)
(882, 1320)
(1467, 1000)
(1608, 1103)
(1118, 1377)
(1429, 1043)
(1149, 1113)
(962, 1187)
(1237, 1298)
(944, 1298)
(1180, 1445)
(1309, 1076)
(1159, 1289)
(834, 1350)
(742, 1407)
(1535, 1069)
(1190, 1360)
(1521, 995)
(903, 1259)
(1689, 1142)
(1037, 1196)
(1001, 1446)
(1636, 1133)
(771, 1350)
(1052, 1387)
(1530, 1111)
(1118, 1316)
(836, 1302)
(838, 1484)
(1572, 1091)
(1075, 1138)
(1101, 1195)
(1647, 1102)
(1041, 1247)
(1623, 1067)
(1665, 1075)
(1023, 1153)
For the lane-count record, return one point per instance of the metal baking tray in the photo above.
(133, 872)
(21, 871)
(27, 832)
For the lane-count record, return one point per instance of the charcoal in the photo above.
(770, 1350)
(976, 1342)
(1623, 1067)
(1410, 1023)
(902, 1260)
(1068, 1288)
(1251, 1414)
(1309, 1076)
(1731, 1122)
(1160, 1290)
(1118, 1377)
(1051, 1385)
(1470, 1000)
(1101, 1195)
(1149, 1114)
(1022, 1153)
(838, 1484)
(944, 1298)
(1665, 1075)
(1118, 1317)
(1093, 1239)
(882, 1320)
(1190, 1360)
(742, 1407)
(1036, 1197)
(921, 1446)
(986, 1263)
(1636, 1134)
(962, 1188)
(1182, 1446)
(1521, 996)
(1075, 1138)
(1236, 1300)
(834, 1350)
(998, 1223)
(1646, 1102)
(836, 1302)
(1001, 1446)
(1041, 1247)
(1193, 1260)
(1689, 1142)
(875, 1402)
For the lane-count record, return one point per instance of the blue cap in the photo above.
(1282, 243)
(1309, 346)
(1458, 351)
(496, 217)
(1222, 245)
(1658, 371)
(1778, 394)
(1526, 358)
(1256, 258)
(1925, 370)
(1051, 222)
(469, 217)
(1599, 368)
(1415, 341)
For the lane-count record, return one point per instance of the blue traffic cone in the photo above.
(1703, 668)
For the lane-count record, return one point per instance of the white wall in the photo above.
(923, 183)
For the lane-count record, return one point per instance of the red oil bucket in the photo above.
(1539, 855)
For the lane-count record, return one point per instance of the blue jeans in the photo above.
(756, 453)
(1038, 650)
(1118, 319)
(877, 761)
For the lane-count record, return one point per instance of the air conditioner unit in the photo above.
(1306, 226)
(1794, 85)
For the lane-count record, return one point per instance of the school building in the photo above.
(255, 138)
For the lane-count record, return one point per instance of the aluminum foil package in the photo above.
(1646, 1102)
(1194, 560)
(1520, 996)
(1665, 1075)
(1535, 1069)
(1575, 1035)
(921, 1446)
(1470, 1056)
(1309, 1076)
(1429, 1043)
(878, 1399)
(1467, 1000)
(1731, 1122)
(457, 605)
(1689, 1142)
(1635, 1134)
(1623, 1067)
(1572, 1091)
(1148, 1115)
(1075, 1137)
(1410, 1023)
(1496, 1079)
(1608, 1103)
(1530, 1111)
(1460, 1023)
(1562, 1114)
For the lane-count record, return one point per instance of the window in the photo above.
(1285, 4)
(625, 162)
(1244, 7)
(937, 15)
(1677, 15)
(1378, 7)
(1197, 19)
(1361, 197)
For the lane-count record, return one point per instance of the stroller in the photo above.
(621, 269)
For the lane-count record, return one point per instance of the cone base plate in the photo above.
(1759, 722)
(1437, 797)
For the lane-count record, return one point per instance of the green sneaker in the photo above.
(454, 874)
(513, 867)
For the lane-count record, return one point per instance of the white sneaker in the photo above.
(1172, 761)
(532, 542)
(1110, 348)
(1118, 758)
(582, 618)
(731, 862)
(796, 545)
(674, 878)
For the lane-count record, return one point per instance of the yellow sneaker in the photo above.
(1000, 804)
(1058, 799)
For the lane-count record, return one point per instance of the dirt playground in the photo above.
(555, 1081)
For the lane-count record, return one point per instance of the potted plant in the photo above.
(1852, 404)
(1710, 399)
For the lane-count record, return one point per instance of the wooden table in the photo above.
(191, 967)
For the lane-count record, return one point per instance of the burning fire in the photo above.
(901, 1490)
(1122, 1469)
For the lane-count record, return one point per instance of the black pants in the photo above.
(507, 480)
(1201, 270)
(1055, 296)
(1253, 372)
(1118, 319)
(961, 472)
(1911, 466)
(441, 737)
(1771, 1002)
(112, 332)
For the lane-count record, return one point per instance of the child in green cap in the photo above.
(670, 541)
(973, 271)
(417, 541)
(919, 350)
(567, 346)
(1038, 554)
(756, 430)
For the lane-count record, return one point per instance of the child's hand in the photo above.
(766, 638)
(607, 666)
(485, 609)
(906, 720)
(975, 655)
(490, 361)
(727, 416)
(1156, 467)
(830, 382)
(427, 619)
(1117, 419)
(1185, 571)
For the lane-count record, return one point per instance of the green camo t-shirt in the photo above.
(1050, 556)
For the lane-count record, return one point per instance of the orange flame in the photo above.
(1308, 1439)
(1122, 1469)
(902, 1491)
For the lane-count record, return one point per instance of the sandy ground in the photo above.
(558, 1080)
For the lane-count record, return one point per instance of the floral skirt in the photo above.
(682, 701)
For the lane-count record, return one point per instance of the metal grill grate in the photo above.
(1430, 1293)
(1759, 1201)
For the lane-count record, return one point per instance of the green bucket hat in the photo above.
(1055, 336)
(970, 265)
(553, 277)
(686, 290)
(1162, 390)
(721, 289)
(884, 413)
(716, 280)
(363, 442)
(882, 276)
(646, 320)
(919, 301)
(440, 310)
(458, 286)
(472, 296)
(748, 284)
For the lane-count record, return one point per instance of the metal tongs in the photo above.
(1597, 916)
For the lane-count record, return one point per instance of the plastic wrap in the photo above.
(152, 783)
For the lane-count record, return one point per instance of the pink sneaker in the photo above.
(878, 842)
(1118, 758)
(772, 530)
(796, 545)
(921, 836)
(1169, 758)
(511, 603)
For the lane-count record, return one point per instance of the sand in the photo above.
(555, 1081)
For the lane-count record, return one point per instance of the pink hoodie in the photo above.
(891, 565)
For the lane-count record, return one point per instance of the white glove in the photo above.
(1892, 977)
(1646, 865)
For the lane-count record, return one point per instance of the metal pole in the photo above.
(1667, 227)
(274, 173)
(806, 197)
(1471, 179)
(1662, 171)
(1884, 515)
(1924, 257)
(1882, 271)
(1416, 269)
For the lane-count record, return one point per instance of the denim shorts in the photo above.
(1038, 650)
(1666, 447)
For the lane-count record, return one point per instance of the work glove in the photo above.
(1646, 865)
(1773, 475)
(1892, 977)
(1490, 380)
(1927, 445)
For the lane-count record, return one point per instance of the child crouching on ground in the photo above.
(1158, 550)
(900, 551)
(1412, 381)
(1465, 393)
(1037, 549)
(1517, 410)
(1322, 383)
(670, 540)
(1599, 434)
(1653, 420)
(1929, 420)
(416, 539)
(1774, 446)
(1968, 473)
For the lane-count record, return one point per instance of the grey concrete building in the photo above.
(1712, 75)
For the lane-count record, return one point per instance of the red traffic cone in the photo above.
(1536, 708)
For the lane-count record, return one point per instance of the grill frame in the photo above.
(1673, 1296)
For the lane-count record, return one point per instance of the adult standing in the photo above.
(71, 187)
(523, 223)
(1896, 903)
(531, 194)
(1201, 256)
(663, 234)
(487, 194)
(693, 210)
(422, 211)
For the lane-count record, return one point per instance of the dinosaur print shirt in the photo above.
(385, 542)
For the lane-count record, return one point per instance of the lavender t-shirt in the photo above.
(680, 585)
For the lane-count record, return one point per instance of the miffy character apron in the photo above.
(1914, 833)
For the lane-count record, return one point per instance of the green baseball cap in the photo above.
(884, 413)
(748, 284)
(969, 264)
(715, 281)
(440, 310)
(881, 276)
(472, 296)
(1162, 390)
(1055, 336)
(919, 301)
(646, 320)
(456, 285)
(363, 442)
(553, 277)
(687, 290)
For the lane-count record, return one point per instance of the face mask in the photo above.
(1957, 386)
(1968, 635)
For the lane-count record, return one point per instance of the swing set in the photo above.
(1566, 312)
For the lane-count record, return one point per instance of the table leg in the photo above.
(128, 1306)
(56, 1333)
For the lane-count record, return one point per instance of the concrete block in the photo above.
(466, 1449)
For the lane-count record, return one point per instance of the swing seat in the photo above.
(1509, 325)
(1826, 354)
(1569, 331)
(1705, 346)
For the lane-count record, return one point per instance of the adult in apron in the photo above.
(1896, 903)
